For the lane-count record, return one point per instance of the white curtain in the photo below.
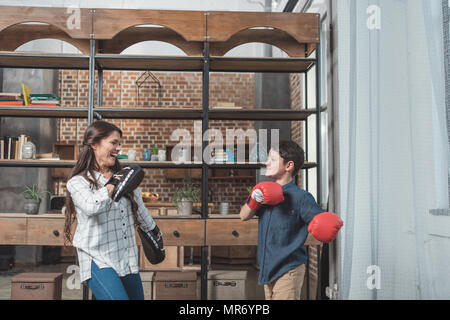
(393, 150)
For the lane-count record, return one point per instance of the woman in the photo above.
(105, 235)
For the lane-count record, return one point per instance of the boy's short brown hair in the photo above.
(291, 151)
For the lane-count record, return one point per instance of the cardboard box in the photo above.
(147, 284)
(175, 286)
(36, 286)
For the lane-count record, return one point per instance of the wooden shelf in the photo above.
(43, 60)
(260, 114)
(148, 113)
(42, 112)
(38, 163)
(144, 165)
(232, 177)
(145, 62)
(279, 65)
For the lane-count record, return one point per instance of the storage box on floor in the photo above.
(234, 285)
(175, 286)
(36, 286)
(147, 284)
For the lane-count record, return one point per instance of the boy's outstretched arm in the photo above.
(246, 213)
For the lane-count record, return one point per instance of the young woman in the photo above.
(105, 235)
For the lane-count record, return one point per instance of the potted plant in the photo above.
(33, 197)
(185, 197)
(154, 156)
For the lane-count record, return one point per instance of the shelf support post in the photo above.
(205, 125)
(91, 81)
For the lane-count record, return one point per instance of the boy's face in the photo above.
(275, 166)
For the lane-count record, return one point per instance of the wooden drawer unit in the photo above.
(45, 231)
(231, 232)
(13, 230)
(181, 232)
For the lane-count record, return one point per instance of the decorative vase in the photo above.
(185, 207)
(132, 155)
(224, 208)
(162, 155)
(154, 157)
(31, 206)
(147, 155)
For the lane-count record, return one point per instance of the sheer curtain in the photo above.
(393, 150)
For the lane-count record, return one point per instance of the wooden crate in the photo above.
(36, 286)
(65, 151)
(227, 285)
(175, 286)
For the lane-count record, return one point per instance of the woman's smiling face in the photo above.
(107, 150)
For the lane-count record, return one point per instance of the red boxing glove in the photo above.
(265, 193)
(325, 226)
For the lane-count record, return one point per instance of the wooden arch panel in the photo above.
(275, 37)
(191, 25)
(13, 37)
(77, 24)
(303, 27)
(134, 35)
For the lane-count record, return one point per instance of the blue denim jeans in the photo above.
(106, 284)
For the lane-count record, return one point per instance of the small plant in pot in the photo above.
(185, 197)
(33, 197)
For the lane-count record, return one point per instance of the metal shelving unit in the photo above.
(205, 64)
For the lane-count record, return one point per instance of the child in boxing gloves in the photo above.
(103, 197)
(286, 215)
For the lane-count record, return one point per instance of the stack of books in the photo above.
(11, 147)
(11, 99)
(222, 155)
(44, 100)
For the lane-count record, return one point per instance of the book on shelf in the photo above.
(44, 104)
(43, 96)
(45, 99)
(11, 102)
(12, 147)
(11, 99)
(10, 96)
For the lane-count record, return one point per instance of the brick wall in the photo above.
(179, 90)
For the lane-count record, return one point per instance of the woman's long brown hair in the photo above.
(96, 132)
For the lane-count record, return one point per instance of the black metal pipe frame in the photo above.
(319, 157)
(205, 125)
(99, 87)
(91, 81)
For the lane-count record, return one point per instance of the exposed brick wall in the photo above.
(179, 90)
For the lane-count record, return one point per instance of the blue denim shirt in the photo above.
(282, 232)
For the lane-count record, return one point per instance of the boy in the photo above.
(286, 214)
